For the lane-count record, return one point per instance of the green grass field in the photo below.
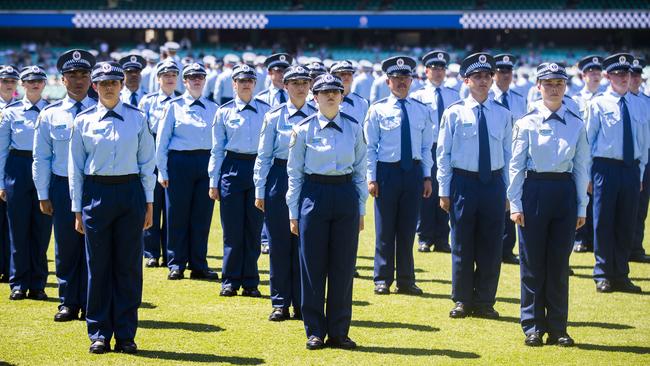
(184, 322)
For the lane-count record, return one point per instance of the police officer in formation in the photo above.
(182, 154)
(235, 140)
(50, 174)
(29, 228)
(153, 106)
(400, 132)
(473, 150)
(353, 104)
(326, 198)
(516, 103)
(271, 182)
(111, 164)
(223, 89)
(617, 131)
(549, 173)
(132, 92)
(8, 84)
(433, 222)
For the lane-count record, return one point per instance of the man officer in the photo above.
(132, 65)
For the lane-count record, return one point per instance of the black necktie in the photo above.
(334, 126)
(197, 102)
(250, 108)
(440, 104)
(406, 158)
(283, 99)
(628, 143)
(78, 107)
(484, 168)
(134, 99)
(348, 100)
(113, 114)
(504, 100)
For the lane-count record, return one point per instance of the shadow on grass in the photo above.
(582, 275)
(418, 352)
(582, 266)
(51, 285)
(192, 327)
(508, 300)
(393, 325)
(372, 268)
(640, 279)
(366, 257)
(360, 303)
(199, 357)
(427, 295)
(217, 257)
(148, 305)
(512, 319)
(639, 350)
(3, 363)
(433, 280)
(367, 278)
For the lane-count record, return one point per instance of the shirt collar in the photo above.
(394, 100)
(240, 104)
(429, 84)
(497, 91)
(69, 103)
(614, 94)
(292, 109)
(323, 121)
(27, 104)
(119, 109)
(543, 109)
(472, 103)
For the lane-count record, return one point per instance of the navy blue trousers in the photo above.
(329, 237)
(433, 221)
(29, 228)
(284, 247)
(585, 235)
(113, 216)
(509, 235)
(644, 199)
(241, 222)
(396, 213)
(476, 230)
(69, 248)
(189, 210)
(155, 238)
(545, 244)
(616, 201)
(4, 241)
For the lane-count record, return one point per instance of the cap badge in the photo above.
(595, 60)
(553, 67)
(482, 59)
(76, 55)
(622, 60)
(400, 62)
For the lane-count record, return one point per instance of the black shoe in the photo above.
(228, 291)
(38, 295)
(580, 248)
(65, 314)
(412, 289)
(17, 295)
(562, 340)
(4, 278)
(442, 248)
(625, 285)
(82, 315)
(152, 263)
(510, 259)
(534, 340)
(127, 346)
(382, 289)
(341, 342)
(175, 274)
(604, 286)
(279, 314)
(640, 258)
(297, 313)
(98, 347)
(486, 312)
(314, 343)
(424, 248)
(204, 275)
(265, 249)
(251, 292)
(459, 311)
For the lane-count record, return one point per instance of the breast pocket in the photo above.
(390, 123)
(496, 134)
(60, 132)
(611, 119)
(18, 126)
(468, 130)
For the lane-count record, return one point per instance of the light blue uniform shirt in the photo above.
(458, 139)
(4, 103)
(516, 101)
(210, 82)
(184, 126)
(315, 149)
(546, 145)
(110, 146)
(145, 76)
(429, 96)
(379, 89)
(354, 106)
(52, 142)
(383, 129)
(236, 128)
(271, 96)
(223, 85)
(583, 97)
(605, 127)
(17, 129)
(153, 106)
(362, 84)
(125, 96)
(274, 139)
(566, 101)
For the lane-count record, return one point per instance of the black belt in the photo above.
(21, 153)
(467, 173)
(59, 177)
(112, 179)
(240, 156)
(329, 179)
(614, 161)
(397, 163)
(191, 152)
(548, 175)
(280, 162)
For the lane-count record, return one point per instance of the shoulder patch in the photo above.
(294, 137)
(59, 102)
(349, 117)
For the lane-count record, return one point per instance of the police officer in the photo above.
(353, 104)
(182, 153)
(433, 222)
(235, 139)
(29, 228)
(400, 132)
(111, 167)
(362, 82)
(516, 103)
(549, 173)
(591, 68)
(638, 253)
(223, 92)
(210, 63)
(153, 106)
(50, 174)
(473, 148)
(327, 198)
(8, 84)
(132, 66)
(379, 89)
(271, 188)
(150, 69)
(618, 137)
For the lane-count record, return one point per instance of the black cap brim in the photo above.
(107, 77)
(553, 76)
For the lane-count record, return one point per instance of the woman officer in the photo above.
(548, 200)
(326, 198)
(111, 163)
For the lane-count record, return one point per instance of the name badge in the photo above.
(317, 140)
(99, 131)
(546, 132)
(60, 127)
(467, 124)
(19, 122)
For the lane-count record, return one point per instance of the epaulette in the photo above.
(452, 89)
(419, 101)
(349, 117)
(532, 111)
(459, 101)
(127, 105)
(227, 103)
(14, 103)
(263, 102)
(575, 115)
(265, 91)
(151, 95)
(515, 93)
(277, 107)
(311, 106)
(500, 104)
(87, 110)
(58, 102)
(175, 99)
(382, 100)
(306, 119)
